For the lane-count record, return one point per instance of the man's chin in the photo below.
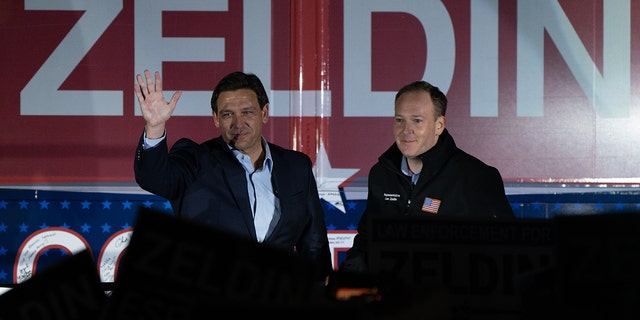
(407, 152)
(238, 144)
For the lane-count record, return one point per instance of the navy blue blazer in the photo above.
(206, 183)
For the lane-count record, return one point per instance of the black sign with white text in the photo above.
(479, 264)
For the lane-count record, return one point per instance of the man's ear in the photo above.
(216, 120)
(265, 113)
(440, 124)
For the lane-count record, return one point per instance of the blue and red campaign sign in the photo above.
(544, 90)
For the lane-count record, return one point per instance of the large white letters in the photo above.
(609, 91)
(71, 242)
(112, 251)
(359, 100)
(41, 96)
(151, 48)
(484, 58)
(62, 238)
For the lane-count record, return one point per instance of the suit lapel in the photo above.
(278, 172)
(236, 180)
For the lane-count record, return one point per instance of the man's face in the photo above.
(415, 129)
(240, 120)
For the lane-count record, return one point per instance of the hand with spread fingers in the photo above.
(238, 181)
(156, 111)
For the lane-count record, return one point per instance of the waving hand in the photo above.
(156, 111)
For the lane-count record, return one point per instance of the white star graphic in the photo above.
(329, 179)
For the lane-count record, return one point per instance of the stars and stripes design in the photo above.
(93, 217)
(96, 218)
(431, 205)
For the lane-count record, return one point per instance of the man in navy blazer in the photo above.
(237, 182)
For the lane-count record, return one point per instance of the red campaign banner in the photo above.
(543, 90)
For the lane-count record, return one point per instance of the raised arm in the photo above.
(156, 111)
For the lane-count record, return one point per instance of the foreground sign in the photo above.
(482, 267)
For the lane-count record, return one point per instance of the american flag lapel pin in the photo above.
(431, 205)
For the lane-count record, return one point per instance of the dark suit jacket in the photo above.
(464, 185)
(206, 183)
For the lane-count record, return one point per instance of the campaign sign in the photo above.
(179, 269)
(598, 266)
(67, 290)
(480, 266)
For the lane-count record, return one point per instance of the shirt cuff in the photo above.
(150, 143)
